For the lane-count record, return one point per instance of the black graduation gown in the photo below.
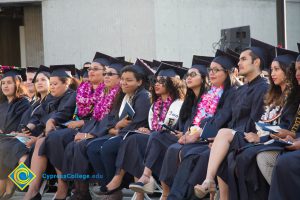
(213, 124)
(244, 177)
(10, 117)
(247, 109)
(61, 110)
(76, 156)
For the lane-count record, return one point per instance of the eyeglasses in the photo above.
(191, 74)
(109, 74)
(93, 69)
(214, 70)
(161, 80)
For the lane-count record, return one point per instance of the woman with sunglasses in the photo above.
(159, 141)
(196, 141)
(89, 100)
(85, 152)
(167, 97)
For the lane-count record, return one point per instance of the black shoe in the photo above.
(102, 190)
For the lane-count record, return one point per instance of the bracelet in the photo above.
(85, 135)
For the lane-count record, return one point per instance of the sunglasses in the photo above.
(191, 74)
(109, 74)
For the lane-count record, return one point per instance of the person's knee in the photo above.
(226, 134)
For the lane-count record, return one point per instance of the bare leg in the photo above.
(116, 181)
(139, 195)
(166, 191)
(38, 166)
(62, 187)
(218, 152)
(224, 190)
(145, 178)
(2, 186)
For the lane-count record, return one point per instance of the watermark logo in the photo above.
(22, 176)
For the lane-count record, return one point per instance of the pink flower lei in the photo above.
(86, 98)
(158, 114)
(105, 102)
(208, 105)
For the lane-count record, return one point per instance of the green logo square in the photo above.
(22, 176)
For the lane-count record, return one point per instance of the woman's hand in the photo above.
(75, 124)
(31, 142)
(50, 126)
(188, 138)
(123, 123)
(144, 130)
(113, 131)
(283, 133)
(252, 137)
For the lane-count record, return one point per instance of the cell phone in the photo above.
(169, 128)
(23, 126)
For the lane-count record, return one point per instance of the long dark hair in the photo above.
(190, 99)
(294, 94)
(228, 83)
(20, 90)
(174, 87)
(274, 95)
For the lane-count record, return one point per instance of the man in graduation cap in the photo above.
(247, 108)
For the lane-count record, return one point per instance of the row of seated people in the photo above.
(186, 128)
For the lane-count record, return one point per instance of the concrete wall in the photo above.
(161, 29)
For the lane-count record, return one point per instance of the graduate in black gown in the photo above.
(283, 174)
(30, 73)
(159, 141)
(220, 74)
(13, 103)
(68, 142)
(133, 81)
(247, 108)
(244, 179)
(57, 109)
(167, 97)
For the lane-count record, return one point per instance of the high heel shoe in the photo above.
(6, 196)
(143, 188)
(38, 196)
(208, 186)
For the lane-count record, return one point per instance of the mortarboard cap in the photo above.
(169, 70)
(201, 63)
(285, 56)
(142, 68)
(227, 60)
(42, 68)
(175, 63)
(298, 58)
(63, 71)
(31, 69)
(119, 64)
(13, 72)
(264, 51)
(102, 59)
(122, 58)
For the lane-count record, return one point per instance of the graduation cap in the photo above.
(142, 68)
(175, 63)
(63, 71)
(264, 51)
(118, 64)
(201, 63)
(102, 59)
(122, 58)
(147, 62)
(77, 73)
(31, 69)
(155, 64)
(298, 44)
(169, 70)
(298, 58)
(42, 68)
(233, 53)
(14, 72)
(227, 60)
(285, 56)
